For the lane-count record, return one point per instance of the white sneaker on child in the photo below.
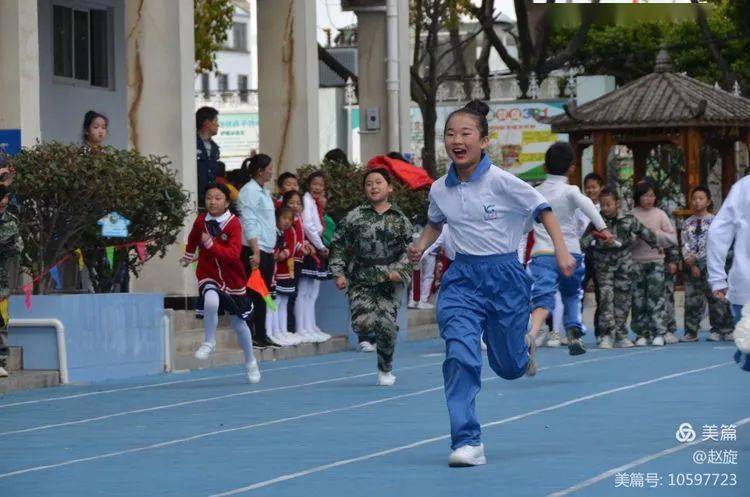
(714, 337)
(425, 305)
(253, 372)
(624, 343)
(658, 341)
(385, 379)
(671, 338)
(412, 304)
(467, 455)
(366, 347)
(553, 339)
(322, 336)
(641, 342)
(204, 351)
(606, 342)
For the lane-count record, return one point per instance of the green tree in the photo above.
(213, 18)
(64, 190)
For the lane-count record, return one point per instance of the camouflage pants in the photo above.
(374, 310)
(697, 295)
(669, 309)
(649, 318)
(9, 270)
(614, 288)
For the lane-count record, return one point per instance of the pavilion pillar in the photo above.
(577, 177)
(602, 143)
(640, 154)
(728, 167)
(692, 142)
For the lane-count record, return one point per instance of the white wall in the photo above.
(63, 105)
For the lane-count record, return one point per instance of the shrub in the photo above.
(63, 190)
(344, 189)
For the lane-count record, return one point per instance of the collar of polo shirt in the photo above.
(452, 178)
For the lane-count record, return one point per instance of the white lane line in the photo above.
(343, 462)
(166, 383)
(632, 464)
(287, 419)
(199, 401)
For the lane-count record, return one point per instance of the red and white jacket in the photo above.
(219, 259)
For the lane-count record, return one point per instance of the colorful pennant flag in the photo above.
(79, 258)
(27, 293)
(4, 311)
(140, 248)
(55, 275)
(255, 283)
(110, 256)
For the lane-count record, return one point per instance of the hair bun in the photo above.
(478, 106)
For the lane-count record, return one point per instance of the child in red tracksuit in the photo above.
(221, 275)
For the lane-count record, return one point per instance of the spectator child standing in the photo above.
(697, 290)
(11, 247)
(649, 317)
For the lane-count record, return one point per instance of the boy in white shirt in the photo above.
(732, 225)
(565, 201)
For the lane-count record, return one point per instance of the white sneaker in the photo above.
(290, 338)
(553, 339)
(205, 350)
(385, 379)
(671, 338)
(306, 336)
(742, 331)
(253, 373)
(425, 305)
(658, 341)
(3, 372)
(714, 337)
(322, 336)
(467, 455)
(279, 338)
(366, 347)
(641, 342)
(541, 338)
(624, 343)
(412, 304)
(606, 342)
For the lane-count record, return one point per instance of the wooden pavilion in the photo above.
(661, 108)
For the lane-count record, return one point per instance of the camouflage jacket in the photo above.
(625, 228)
(10, 235)
(367, 246)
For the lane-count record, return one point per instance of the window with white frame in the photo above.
(222, 82)
(242, 87)
(81, 45)
(239, 36)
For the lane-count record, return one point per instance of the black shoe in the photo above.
(575, 344)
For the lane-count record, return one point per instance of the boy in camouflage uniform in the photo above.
(368, 255)
(613, 268)
(10, 252)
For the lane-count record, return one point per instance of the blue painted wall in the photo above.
(108, 336)
(332, 313)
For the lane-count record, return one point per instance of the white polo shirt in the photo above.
(489, 213)
(731, 225)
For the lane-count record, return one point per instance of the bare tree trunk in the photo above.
(429, 119)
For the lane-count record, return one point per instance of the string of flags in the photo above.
(52, 271)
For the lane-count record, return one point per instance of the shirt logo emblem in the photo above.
(489, 212)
